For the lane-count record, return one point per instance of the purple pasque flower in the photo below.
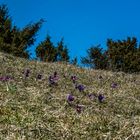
(73, 78)
(39, 76)
(8, 78)
(26, 73)
(101, 97)
(114, 85)
(79, 108)
(5, 78)
(100, 77)
(53, 79)
(91, 96)
(80, 87)
(70, 98)
(55, 74)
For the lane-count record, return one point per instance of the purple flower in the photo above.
(26, 72)
(5, 78)
(100, 97)
(80, 87)
(70, 98)
(79, 108)
(55, 74)
(91, 96)
(53, 79)
(114, 85)
(100, 77)
(39, 76)
(73, 78)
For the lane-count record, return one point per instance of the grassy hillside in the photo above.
(52, 101)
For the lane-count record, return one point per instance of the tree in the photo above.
(26, 38)
(95, 58)
(62, 51)
(123, 55)
(46, 51)
(5, 29)
(74, 61)
(14, 40)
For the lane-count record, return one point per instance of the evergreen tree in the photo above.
(25, 38)
(123, 55)
(5, 29)
(62, 52)
(46, 51)
(95, 58)
(13, 40)
(74, 61)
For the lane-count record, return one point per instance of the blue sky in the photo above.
(82, 23)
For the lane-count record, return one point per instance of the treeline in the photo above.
(18, 41)
(47, 52)
(14, 40)
(120, 55)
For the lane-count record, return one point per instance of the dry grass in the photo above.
(31, 109)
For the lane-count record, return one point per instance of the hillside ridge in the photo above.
(60, 101)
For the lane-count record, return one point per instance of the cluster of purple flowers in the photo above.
(91, 96)
(27, 73)
(53, 79)
(70, 99)
(80, 87)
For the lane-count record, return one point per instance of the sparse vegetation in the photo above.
(52, 101)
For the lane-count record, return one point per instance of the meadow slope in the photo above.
(55, 101)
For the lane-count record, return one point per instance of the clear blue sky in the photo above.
(82, 23)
